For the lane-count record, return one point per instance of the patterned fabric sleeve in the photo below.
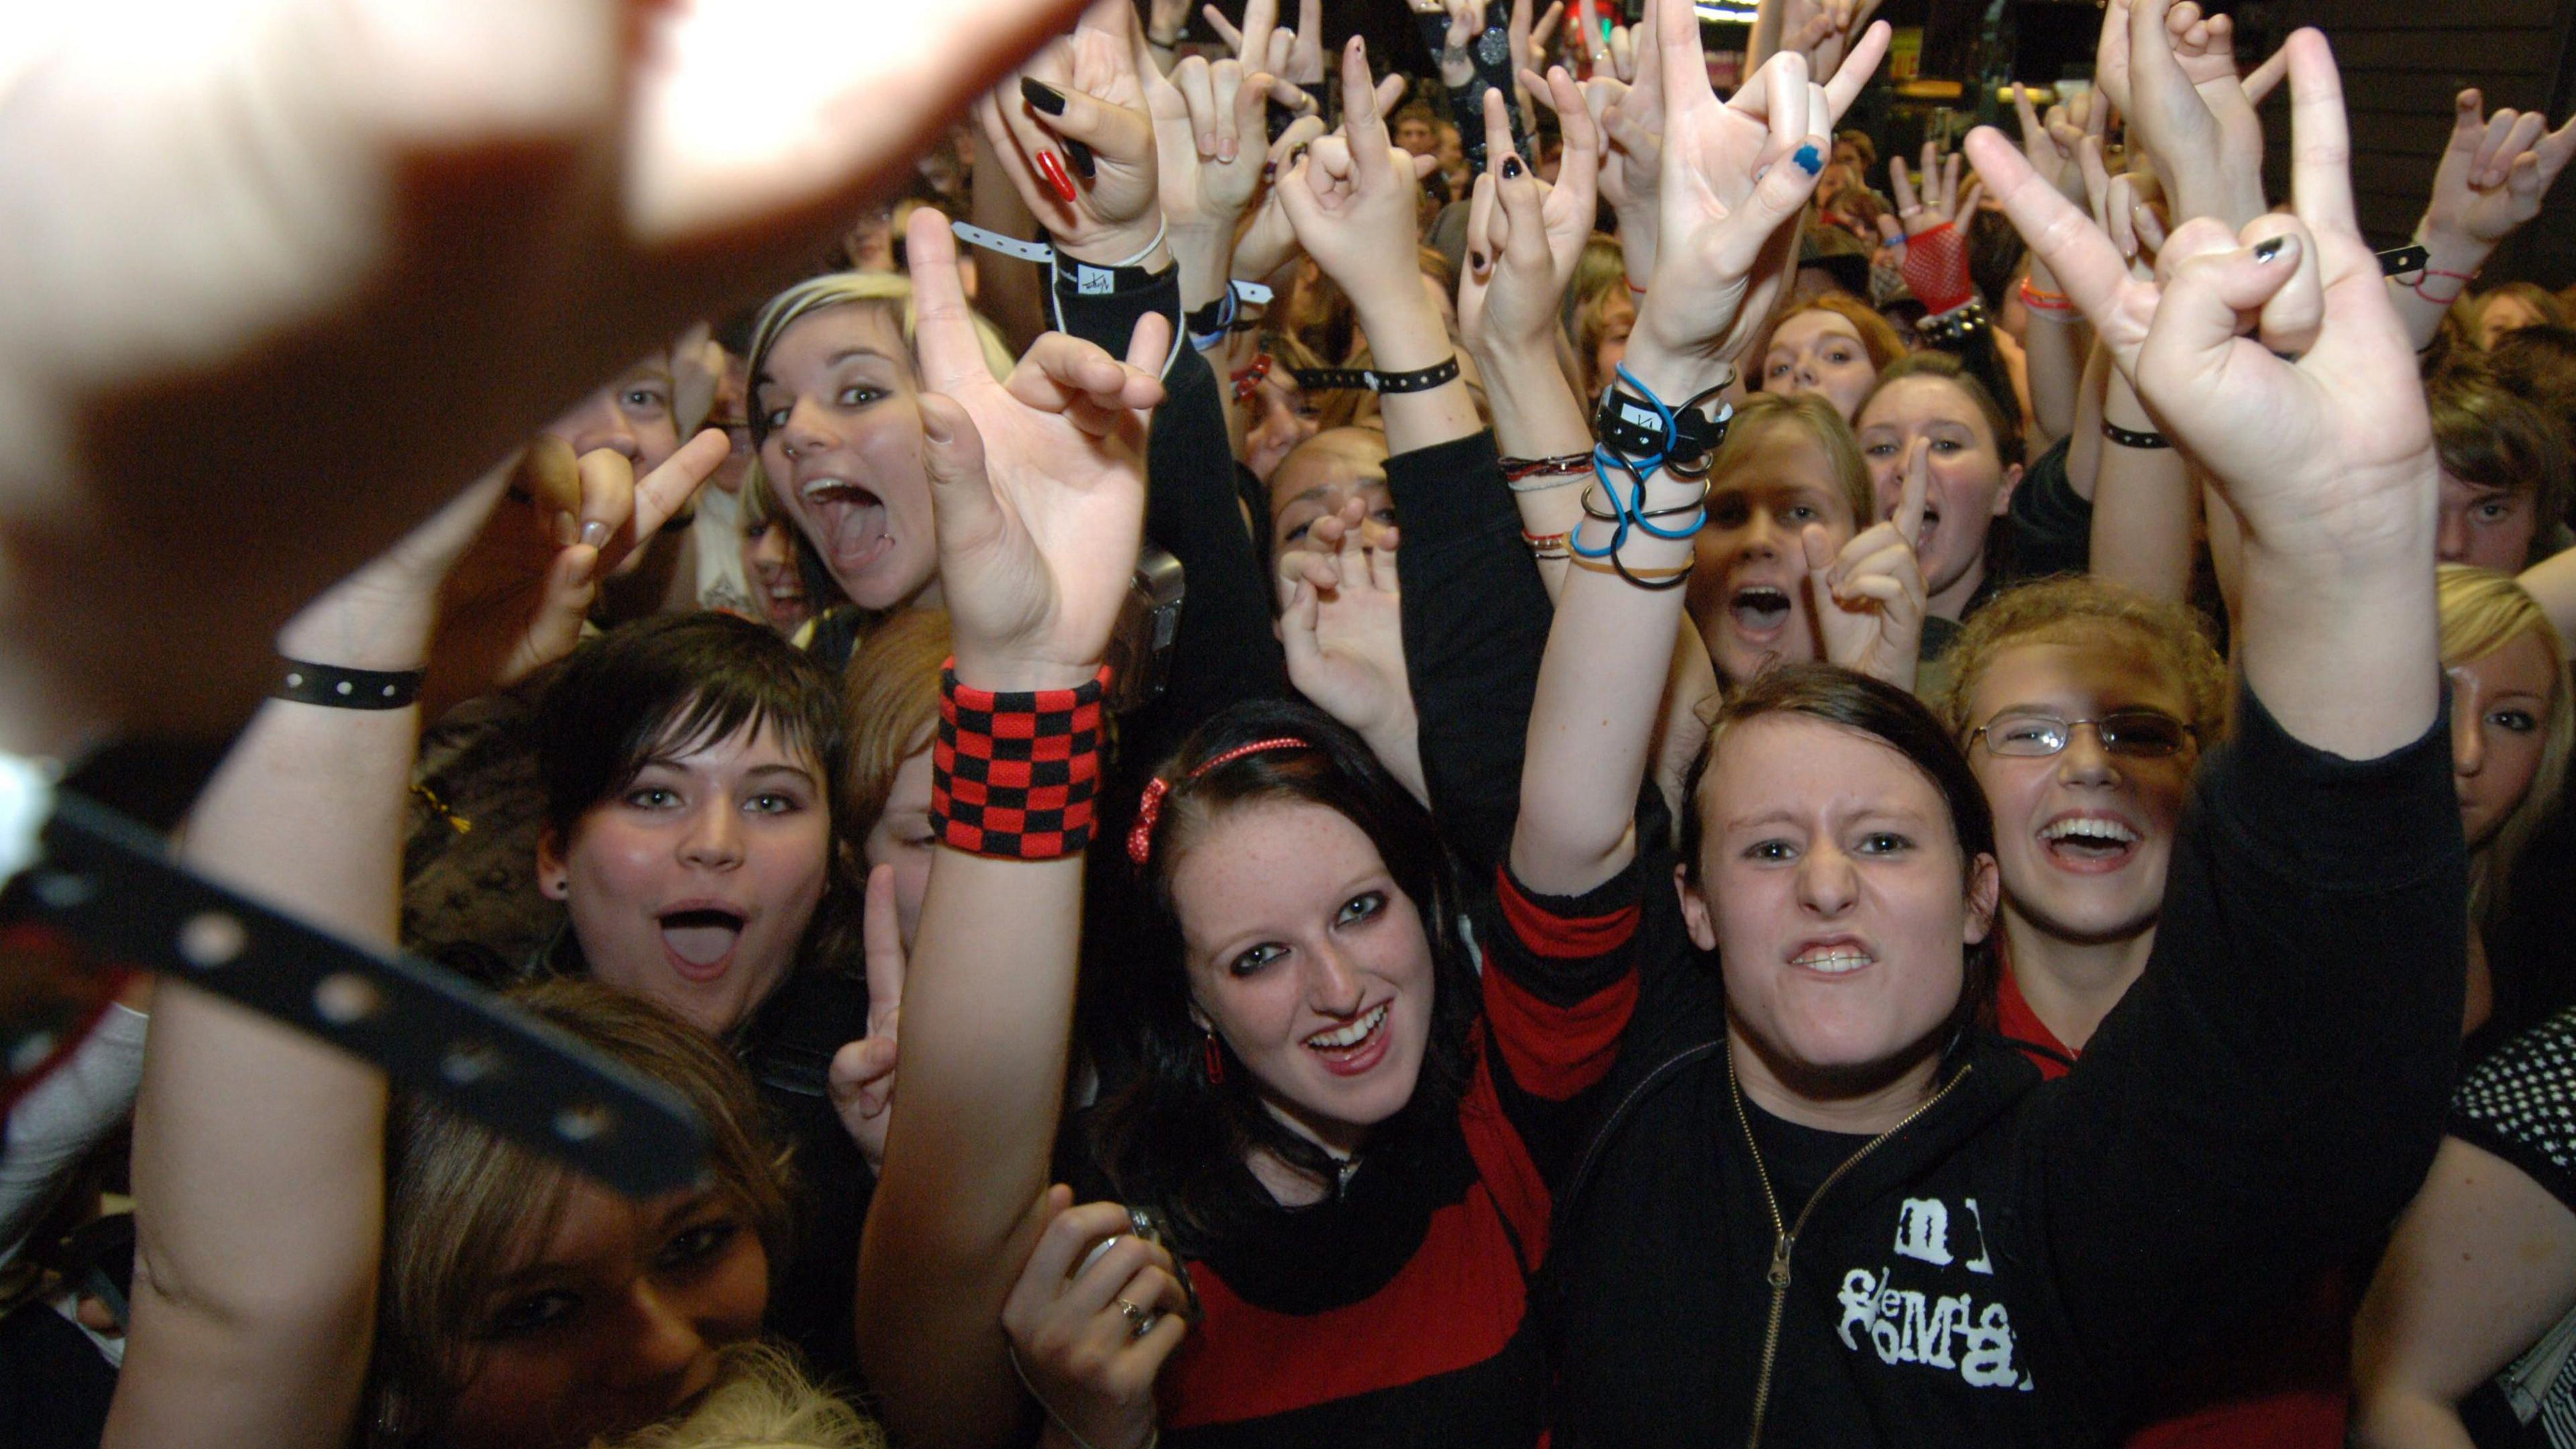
(2520, 1104)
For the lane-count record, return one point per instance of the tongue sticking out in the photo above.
(701, 938)
(855, 522)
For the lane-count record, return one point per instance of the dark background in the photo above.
(2403, 61)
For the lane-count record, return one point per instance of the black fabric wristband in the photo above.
(1346, 379)
(328, 684)
(1082, 279)
(2129, 438)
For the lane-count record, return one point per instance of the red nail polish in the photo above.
(1052, 168)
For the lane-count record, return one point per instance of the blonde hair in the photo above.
(2069, 609)
(2545, 304)
(462, 1206)
(884, 293)
(890, 693)
(2484, 611)
(1762, 412)
(761, 1400)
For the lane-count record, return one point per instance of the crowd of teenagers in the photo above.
(1305, 755)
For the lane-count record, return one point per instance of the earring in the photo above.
(1215, 1061)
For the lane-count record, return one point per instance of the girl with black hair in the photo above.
(1827, 1208)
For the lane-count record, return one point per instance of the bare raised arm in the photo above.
(1040, 491)
(1724, 244)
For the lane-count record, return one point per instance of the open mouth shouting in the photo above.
(2088, 844)
(1760, 611)
(699, 938)
(1351, 1049)
(852, 521)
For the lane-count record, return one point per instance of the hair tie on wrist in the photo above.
(1016, 775)
(2130, 438)
(336, 688)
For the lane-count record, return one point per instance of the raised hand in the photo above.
(1203, 115)
(308, 191)
(1827, 36)
(2494, 175)
(862, 1074)
(1268, 241)
(1037, 480)
(1531, 38)
(2328, 459)
(1295, 56)
(1341, 623)
(2191, 112)
(1466, 21)
(1525, 235)
(2121, 208)
(1092, 1319)
(1351, 196)
(2055, 148)
(1075, 138)
(1733, 176)
(1630, 115)
(1868, 599)
(513, 598)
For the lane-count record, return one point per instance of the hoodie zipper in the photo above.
(1786, 1238)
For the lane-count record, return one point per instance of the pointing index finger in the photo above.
(1918, 486)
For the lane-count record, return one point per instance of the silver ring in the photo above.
(1140, 1321)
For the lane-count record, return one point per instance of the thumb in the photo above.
(2199, 318)
(952, 455)
(858, 1075)
(1818, 545)
(1784, 190)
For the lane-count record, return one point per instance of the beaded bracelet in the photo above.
(1016, 775)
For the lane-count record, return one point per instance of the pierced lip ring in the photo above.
(1051, 167)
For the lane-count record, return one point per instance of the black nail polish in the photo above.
(2268, 248)
(1046, 98)
(1512, 168)
(1476, 260)
(1080, 155)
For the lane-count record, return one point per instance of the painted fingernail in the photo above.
(1051, 168)
(1810, 160)
(2268, 248)
(1512, 168)
(1476, 260)
(1269, 170)
(1045, 98)
(1080, 154)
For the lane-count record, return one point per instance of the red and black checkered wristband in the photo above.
(1016, 776)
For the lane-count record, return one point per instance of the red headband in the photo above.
(1140, 836)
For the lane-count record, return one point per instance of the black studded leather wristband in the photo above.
(2131, 438)
(1347, 379)
(328, 684)
(1633, 427)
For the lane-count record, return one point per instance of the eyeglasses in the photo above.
(2138, 733)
